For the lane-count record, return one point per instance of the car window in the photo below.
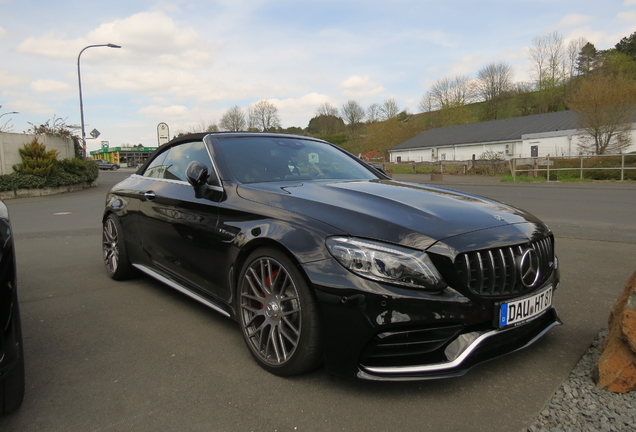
(156, 167)
(263, 159)
(172, 163)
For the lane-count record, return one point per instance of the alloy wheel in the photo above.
(110, 246)
(270, 311)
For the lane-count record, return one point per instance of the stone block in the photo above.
(617, 365)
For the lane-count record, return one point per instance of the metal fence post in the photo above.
(581, 167)
(622, 166)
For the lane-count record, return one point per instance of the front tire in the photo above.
(12, 383)
(278, 314)
(116, 259)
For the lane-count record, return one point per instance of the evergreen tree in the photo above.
(627, 45)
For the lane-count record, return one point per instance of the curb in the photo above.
(28, 193)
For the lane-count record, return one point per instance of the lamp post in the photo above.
(79, 80)
(7, 113)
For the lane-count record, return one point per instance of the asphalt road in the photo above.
(137, 356)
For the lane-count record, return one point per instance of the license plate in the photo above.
(520, 311)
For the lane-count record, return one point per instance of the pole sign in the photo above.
(163, 133)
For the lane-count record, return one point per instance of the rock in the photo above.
(629, 319)
(617, 365)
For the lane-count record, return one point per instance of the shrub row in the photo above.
(65, 172)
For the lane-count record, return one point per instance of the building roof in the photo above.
(510, 129)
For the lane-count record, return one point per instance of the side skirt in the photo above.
(181, 289)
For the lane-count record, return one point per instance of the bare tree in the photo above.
(353, 115)
(549, 65)
(572, 55)
(548, 55)
(452, 92)
(426, 104)
(327, 109)
(233, 120)
(264, 116)
(373, 113)
(389, 109)
(203, 126)
(494, 83)
(606, 107)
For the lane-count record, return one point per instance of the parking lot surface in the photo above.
(137, 356)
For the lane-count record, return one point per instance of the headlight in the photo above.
(386, 263)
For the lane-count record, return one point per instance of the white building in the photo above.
(553, 134)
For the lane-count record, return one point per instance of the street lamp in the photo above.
(7, 113)
(79, 79)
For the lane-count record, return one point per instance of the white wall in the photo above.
(560, 143)
(554, 144)
(11, 142)
(460, 152)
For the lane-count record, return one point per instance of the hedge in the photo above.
(66, 172)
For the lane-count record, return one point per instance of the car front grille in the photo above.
(495, 272)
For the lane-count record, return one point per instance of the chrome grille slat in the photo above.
(480, 264)
(503, 273)
(493, 272)
(513, 266)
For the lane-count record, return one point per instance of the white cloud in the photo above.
(150, 81)
(360, 86)
(574, 20)
(49, 86)
(628, 16)
(146, 38)
(3, 33)
(311, 100)
(629, 2)
(26, 104)
(467, 65)
(163, 112)
(11, 80)
(297, 111)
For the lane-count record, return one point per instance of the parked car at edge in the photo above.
(321, 257)
(11, 351)
(106, 165)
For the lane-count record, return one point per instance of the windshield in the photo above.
(268, 159)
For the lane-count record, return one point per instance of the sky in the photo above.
(185, 62)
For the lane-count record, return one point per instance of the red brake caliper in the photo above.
(269, 284)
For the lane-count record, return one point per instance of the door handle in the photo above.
(150, 195)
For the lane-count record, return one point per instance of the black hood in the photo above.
(404, 213)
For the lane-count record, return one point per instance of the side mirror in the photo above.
(197, 175)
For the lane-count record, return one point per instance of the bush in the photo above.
(83, 170)
(18, 180)
(36, 160)
(336, 139)
(66, 172)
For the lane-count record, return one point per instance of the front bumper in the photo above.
(380, 332)
(468, 350)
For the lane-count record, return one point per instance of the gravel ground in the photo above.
(579, 406)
